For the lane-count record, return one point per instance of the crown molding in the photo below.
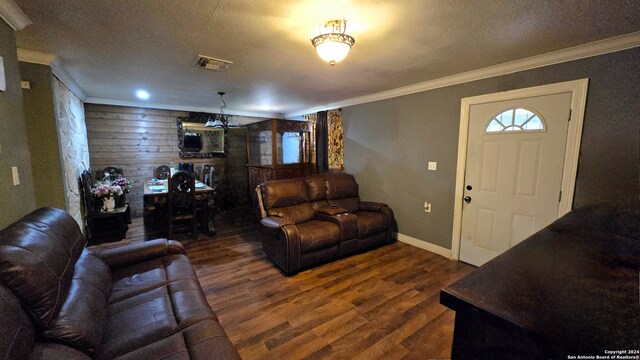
(11, 13)
(143, 104)
(596, 48)
(61, 73)
(36, 57)
(57, 68)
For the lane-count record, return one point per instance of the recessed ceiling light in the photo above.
(143, 94)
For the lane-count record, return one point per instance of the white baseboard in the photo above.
(425, 245)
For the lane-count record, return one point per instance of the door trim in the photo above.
(578, 90)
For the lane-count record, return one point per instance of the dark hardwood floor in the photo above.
(383, 304)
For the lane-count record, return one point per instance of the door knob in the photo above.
(467, 199)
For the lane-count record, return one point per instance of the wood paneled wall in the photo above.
(139, 140)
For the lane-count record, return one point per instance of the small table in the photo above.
(155, 195)
(108, 226)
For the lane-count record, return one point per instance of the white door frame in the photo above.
(578, 90)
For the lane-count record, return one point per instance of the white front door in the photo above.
(514, 170)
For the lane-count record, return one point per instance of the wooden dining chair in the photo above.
(182, 203)
(112, 172)
(162, 172)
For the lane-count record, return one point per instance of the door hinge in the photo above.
(570, 114)
(560, 196)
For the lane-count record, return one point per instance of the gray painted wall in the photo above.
(41, 128)
(388, 143)
(15, 201)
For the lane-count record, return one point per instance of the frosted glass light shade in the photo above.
(333, 44)
(333, 52)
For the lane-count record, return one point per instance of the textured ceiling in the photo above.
(112, 48)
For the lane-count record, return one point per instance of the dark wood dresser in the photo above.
(570, 290)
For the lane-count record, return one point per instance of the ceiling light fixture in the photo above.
(221, 121)
(333, 44)
(143, 94)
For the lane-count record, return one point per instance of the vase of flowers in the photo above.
(125, 185)
(107, 193)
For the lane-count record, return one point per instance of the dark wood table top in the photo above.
(574, 284)
(149, 192)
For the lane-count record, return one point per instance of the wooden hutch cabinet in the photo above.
(277, 149)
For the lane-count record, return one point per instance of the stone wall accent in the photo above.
(74, 147)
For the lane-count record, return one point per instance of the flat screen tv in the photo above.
(192, 142)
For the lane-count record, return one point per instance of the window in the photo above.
(514, 120)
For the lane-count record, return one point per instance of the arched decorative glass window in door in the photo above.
(515, 120)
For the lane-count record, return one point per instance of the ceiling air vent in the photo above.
(212, 63)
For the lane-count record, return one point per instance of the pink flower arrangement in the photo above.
(104, 190)
(124, 184)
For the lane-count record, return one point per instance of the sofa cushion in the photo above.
(16, 331)
(283, 193)
(145, 276)
(340, 186)
(342, 191)
(37, 257)
(296, 213)
(83, 316)
(203, 340)
(151, 301)
(49, 351)
(154, 315)
(316, 187)
(316, 235)
(371, 223)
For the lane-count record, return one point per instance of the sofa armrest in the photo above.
(386, 210)
(132, 253)
(371, 206)
(281, 242)
(272, 224)
(332, 210)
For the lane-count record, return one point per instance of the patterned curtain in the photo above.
(311, 119)
(335, 141)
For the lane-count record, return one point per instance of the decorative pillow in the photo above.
(83, 317)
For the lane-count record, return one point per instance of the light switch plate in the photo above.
(3, 84)
(432, 165)
(16, 176)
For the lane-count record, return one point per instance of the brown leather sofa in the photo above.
(59, 300)
(318, 219)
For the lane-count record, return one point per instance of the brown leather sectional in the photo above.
(59, 300)
(318, 219)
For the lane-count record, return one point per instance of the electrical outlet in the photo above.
(432, 166)
(427, 207)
